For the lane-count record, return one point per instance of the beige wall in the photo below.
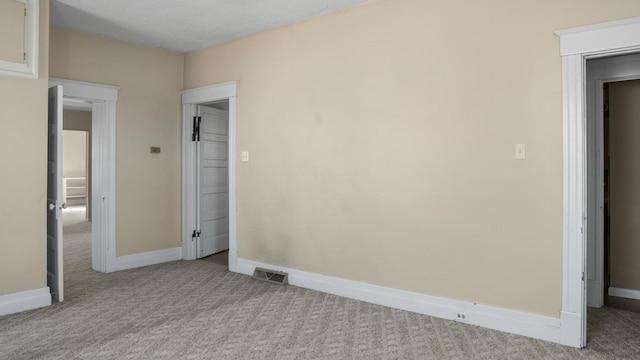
(148, 114)
(382, 144)
(624, 130)
(23, 159)
(77, 120)
(74, 147)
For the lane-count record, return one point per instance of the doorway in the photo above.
(100, 185)
(76, 177)
(610, 186)
(76, 187)
(216, 99)
(621, 210)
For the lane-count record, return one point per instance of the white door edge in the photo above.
(55, 200)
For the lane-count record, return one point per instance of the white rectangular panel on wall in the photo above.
(19, 33)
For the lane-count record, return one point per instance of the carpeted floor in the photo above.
(198, 310)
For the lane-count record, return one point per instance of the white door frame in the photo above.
(103, 126)
(576, 46)
(190, 100)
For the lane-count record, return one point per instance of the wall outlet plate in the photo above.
(462, 317)
(521, 151)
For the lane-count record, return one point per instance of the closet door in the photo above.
(213, 175)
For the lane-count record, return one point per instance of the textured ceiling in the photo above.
(185, 25)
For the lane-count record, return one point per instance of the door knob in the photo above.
(52, 206)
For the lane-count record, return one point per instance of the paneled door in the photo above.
(213, 168)
(55, 203)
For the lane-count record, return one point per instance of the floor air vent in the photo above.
(272, 276)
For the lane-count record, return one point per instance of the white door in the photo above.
(213, 179)
(54, 196)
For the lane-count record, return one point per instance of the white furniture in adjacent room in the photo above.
(74, 190)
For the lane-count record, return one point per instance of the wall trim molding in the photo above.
(624, 293)
(209, 93)
(86, 90)
(600, 38)
(511, 321)
(25, 300)
(147, 258)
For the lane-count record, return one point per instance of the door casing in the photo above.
(576, 46)
(190, 100)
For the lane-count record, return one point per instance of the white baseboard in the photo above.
(25, 300)
(571, 329)
(147, 258)
(624, 293)
(515, 322)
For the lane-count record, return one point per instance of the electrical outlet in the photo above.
(521, 151)
(462, 317)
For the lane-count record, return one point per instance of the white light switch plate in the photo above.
(521, 152)
(244, 156)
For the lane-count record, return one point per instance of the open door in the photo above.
(213, 181)
(595, 192)
(55, 202)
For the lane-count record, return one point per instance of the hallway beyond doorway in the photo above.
(76, 234)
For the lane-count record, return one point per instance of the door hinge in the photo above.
(199, 121)
(195, 234)
(195, 136)
(583, 276)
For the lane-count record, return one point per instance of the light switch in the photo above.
(244, 156)
(521, 152)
